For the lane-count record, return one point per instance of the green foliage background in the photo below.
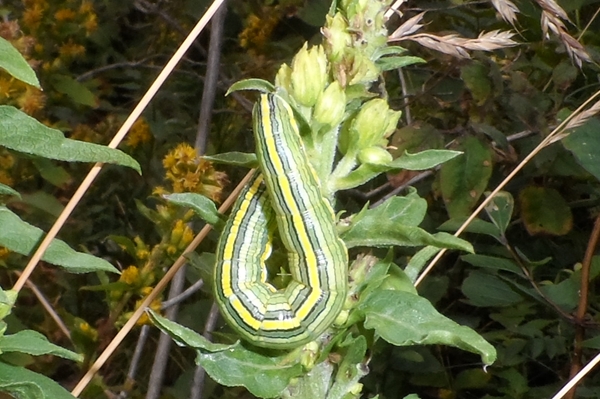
(519, 290)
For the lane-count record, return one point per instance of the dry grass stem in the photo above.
(577, 121)
(573, 381)
(507, 10)
(457, 46)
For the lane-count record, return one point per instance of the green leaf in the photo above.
(405, 319)
(390, 63)
(204, 207)
(418, 261)
(234, 365)
(260, 85)
(183, 336)
(483, 290)
(492, 263)
(6, 190)
(477, 226)
(14, 63)
(475, 76)
(20, 132)
(234, 158)
(493, 133)
(388, 50)
(545, 211)
(7, 301)
(263, 376)
(463, 179)
(56, 175)
(500, 210)
(44, 202)
(35, 344)
(25, 384)
(23, 238)
(423, 160)
(584, 142)
(78, 92)
(314, 384)
(394, 223)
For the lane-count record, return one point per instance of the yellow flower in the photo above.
(130, 275)
(154, 305)
(187, 172)
(71, 50)
(91, 23)
(32, 16)
(88, 331)
(86, 7)
(159, 191)
(7, 88)
(31, 101)
(139, 133)
(64, 14)
(257, 32)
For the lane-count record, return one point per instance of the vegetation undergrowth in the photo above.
(443, 120)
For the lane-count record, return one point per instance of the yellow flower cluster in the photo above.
(139, 133)
(187, 172)
(257, 32)
(181, 236)
(154, 305)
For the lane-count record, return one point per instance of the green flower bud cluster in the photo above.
(366, 134)
(353, 38)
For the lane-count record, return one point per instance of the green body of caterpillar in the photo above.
(285, 192)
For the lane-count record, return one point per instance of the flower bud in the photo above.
(375, 156)
(309, 75)
(331, 105)
(374, 121)
(337, 37)
(283, 78)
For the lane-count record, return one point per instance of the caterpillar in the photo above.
(283, 195)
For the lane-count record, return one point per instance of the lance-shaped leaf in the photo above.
(395, 223)
(35, 344)
(204, 207)
(233, 365)
(25, 384)
(23, 238)
(14, 63)
(20, 132)
(405, 319)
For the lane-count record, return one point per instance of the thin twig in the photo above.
(135, 362)
(116, 65)
(199, 374)
(155, 292)
(161, 357)
(135, 114)
(407, 114)
(212, 76)
(48, 307)
(583, 303)
(191, 290)
(520, 166)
